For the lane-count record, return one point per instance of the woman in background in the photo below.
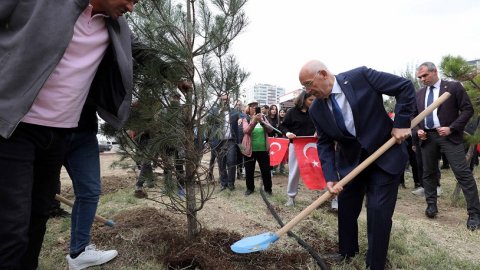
(255, 148)
(297, 122)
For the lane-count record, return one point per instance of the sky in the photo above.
(389, 36)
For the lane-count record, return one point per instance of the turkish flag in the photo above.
(278, 148)
(308, 162)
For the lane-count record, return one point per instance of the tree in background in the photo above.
(457, 68)
(184, 41)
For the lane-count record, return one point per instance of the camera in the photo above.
(257, 110)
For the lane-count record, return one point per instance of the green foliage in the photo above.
(182, 67)
(457, 68)
(409, 73)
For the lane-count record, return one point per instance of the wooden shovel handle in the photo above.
(97, 217)
(327, 195)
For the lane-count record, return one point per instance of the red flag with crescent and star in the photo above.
(278, 148)
(308, 162)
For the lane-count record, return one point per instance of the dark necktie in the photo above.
(429, 119)
(337, 114)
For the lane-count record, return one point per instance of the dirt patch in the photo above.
(145, 235)
(151, 231)
(114, 183)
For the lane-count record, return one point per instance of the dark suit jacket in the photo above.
(454, 112)
(363, 88)
(217, 133)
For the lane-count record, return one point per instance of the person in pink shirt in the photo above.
(52, 55)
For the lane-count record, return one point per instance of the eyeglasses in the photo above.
(309, 83)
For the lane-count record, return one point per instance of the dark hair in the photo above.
(300, 100)
(271, 107)
(275, 121)
(265, 107)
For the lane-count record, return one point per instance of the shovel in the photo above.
(98, 218)
(263, 241)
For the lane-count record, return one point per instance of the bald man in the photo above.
(348, 110)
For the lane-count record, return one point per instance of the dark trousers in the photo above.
(264, 163)
(226, 152)
(30, 162)
(146, 174)
(419, 158)
(412, 160)
(381, 189)
(240, 158)
(211, 165)
(177, 160)
(455, 153)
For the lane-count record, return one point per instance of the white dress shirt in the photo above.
(344, 106)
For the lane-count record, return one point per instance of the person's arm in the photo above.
(465, 108)
(248, 127)
(326, 155)
(266, 125)
(6, 9)
(286, 124)
(403, 91)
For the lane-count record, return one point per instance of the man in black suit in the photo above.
(442, 132)
(349, 111)
(223, 141)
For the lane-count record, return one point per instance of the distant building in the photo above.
(286, 100)
(475, 63)
(265, 94)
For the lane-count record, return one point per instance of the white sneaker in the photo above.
(290, 202)
(90, 257)
(334, 204)
(419, 191)
(439, 191)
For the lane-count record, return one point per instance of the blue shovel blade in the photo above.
(254, 243)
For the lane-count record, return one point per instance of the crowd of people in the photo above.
(347, 115)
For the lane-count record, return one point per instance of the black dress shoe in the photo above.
(248, 192)
(473, 222)
(59, 212)
(139, 193)
(335, 257)
(231, 187)
(431, 210)
(223, 188)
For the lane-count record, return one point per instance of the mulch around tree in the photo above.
(146, 233)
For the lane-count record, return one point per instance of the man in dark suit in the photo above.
(349, 111)
(442, 132)
(223, 142)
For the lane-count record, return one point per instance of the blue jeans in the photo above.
(30, 163)
(83, 166)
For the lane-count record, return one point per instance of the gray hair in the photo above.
(430, 66)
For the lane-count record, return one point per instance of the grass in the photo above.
(415, 243)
